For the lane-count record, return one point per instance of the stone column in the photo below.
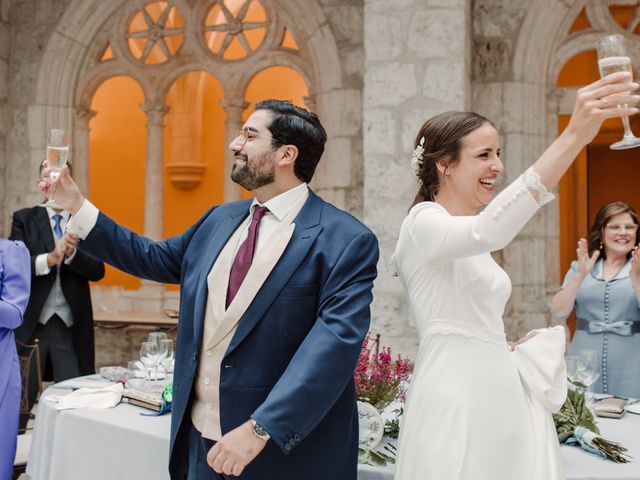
(416, 65)
(234, 108)
(80, 152)
(154, 176)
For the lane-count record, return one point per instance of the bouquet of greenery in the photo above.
(575, 425)
(379, 380)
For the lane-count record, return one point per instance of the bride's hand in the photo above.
(598, 101)
(527, 337)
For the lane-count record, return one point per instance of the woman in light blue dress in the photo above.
(603, 285)
(15, 282)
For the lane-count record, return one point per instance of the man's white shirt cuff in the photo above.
(41, 266)
(84, 220)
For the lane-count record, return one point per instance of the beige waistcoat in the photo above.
(220, 324)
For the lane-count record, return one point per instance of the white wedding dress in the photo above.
(475, 410)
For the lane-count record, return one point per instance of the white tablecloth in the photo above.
(121, 443)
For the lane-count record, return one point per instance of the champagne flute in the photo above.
(167, 361)
(148, 355)
(613, 57)
(57, 156)
(590, 371)
(572, 370)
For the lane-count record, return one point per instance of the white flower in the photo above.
(416, 158)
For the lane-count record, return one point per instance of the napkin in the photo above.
(89, 398)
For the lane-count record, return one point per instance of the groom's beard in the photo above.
(252, 174)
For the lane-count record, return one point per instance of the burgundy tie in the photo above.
(244, 257)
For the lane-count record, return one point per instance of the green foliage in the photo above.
(392, 427)
(573, 413)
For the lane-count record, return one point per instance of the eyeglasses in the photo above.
(622, 228)
(243, 136)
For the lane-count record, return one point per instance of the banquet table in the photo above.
(120, 443)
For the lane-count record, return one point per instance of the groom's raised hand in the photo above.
(63, 190)
(235, 450)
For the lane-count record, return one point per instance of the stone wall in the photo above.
(5, 45)
(416, 65)
(340, 174)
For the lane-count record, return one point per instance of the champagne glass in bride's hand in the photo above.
(57, 156)
(613, 57)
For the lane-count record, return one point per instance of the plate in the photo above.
(370, 426)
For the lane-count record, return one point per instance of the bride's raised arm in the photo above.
(450, 228)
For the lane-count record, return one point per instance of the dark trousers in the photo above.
(56, 353)
(199, 469)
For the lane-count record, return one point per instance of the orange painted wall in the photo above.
(117, 157)
(194, 133)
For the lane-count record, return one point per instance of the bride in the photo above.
(478, 408)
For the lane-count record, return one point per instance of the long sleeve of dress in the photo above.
(443, 237)
(15, 283)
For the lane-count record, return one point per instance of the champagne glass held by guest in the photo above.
(603, 285)
(15, 281)
(468, 415)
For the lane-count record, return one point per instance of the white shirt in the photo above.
(278, 207)
(86, 217)
(41, 265)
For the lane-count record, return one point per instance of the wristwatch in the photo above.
(259, 431)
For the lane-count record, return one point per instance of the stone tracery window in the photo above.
(235, 31)
(155, 33)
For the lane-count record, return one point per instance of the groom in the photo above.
(274, 306)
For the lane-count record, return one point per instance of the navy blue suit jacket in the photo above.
(291, 360)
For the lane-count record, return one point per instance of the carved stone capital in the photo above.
(83, 116)
(234, 107)
(155, 113)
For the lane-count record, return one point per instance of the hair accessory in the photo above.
(416, 157)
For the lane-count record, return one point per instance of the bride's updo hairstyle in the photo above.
(443, 136)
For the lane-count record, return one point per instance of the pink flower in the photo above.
(378, 379)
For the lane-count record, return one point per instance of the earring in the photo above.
(446, 174)
(601, 246)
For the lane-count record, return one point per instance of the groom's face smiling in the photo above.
(254, 152)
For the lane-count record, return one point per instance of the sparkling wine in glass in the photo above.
(57, 156)
(613, 57)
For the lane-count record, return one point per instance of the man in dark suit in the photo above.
(59, 312)
(274, 306)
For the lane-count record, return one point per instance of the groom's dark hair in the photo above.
(292, 125)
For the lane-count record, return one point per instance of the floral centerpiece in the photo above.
(380, 381)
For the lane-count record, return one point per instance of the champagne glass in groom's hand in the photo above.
(68, 195)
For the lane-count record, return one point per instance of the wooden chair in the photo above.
(29, 357)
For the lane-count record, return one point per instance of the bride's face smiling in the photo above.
(472, 179)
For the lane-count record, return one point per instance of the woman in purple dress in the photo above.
(15, 280)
